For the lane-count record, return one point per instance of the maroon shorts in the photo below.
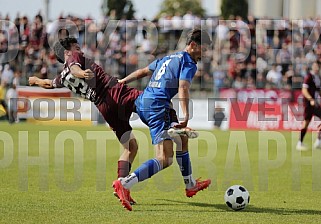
(117, 109)
(310, 111)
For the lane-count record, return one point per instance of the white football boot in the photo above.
(301, 147)
(190, 133)
(317, 144)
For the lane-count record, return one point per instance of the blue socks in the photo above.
(184, 163)
(148, 169)
(185, 166)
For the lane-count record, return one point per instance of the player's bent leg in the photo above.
(129, 154)
(199, 186)
(130, 147)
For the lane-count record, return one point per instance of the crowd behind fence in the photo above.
(246, 52)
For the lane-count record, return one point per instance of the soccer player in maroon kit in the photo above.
(310, 90)
(114, 100)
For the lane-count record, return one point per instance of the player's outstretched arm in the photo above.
(79, 73)
(44, 83)
(138, 74)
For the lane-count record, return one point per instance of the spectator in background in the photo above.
(283, 58)
(218, 117)
(63, 33)
(260, 81)
(189, 20)
(238, 83)
(289, 77)
(17, 78)
(177, 23)
(218, 79)
(274, 76)
(3, 99)
(44, 71)
(146, 45)
(7, 75)
(310, 56)
(221, 31)
(11, 98)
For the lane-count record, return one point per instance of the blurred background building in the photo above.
(292, 9)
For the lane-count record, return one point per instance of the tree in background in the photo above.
(235, 8)
(118, 8)
(171, 7)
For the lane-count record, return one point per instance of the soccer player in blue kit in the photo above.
(170, 75)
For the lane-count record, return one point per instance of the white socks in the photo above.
(189, 181)
(129, 181)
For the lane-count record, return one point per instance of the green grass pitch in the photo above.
(63, 174)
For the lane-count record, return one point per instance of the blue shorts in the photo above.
(158, 122)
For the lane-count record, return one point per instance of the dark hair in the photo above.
(39, 17)
(63, 33)
(198, 36)
(61, 46)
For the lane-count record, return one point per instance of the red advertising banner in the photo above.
(26, 92)
(268, 116)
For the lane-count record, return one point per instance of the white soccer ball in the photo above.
(237, 197)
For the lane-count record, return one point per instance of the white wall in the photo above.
(302, 9)
(266, 8)
(216, 7)
(202, 116)
(318, 8)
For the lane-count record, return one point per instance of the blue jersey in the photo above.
(153, 104)
(163, 85)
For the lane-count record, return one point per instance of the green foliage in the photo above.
(123, 8)
(235, 8)
(171, 7)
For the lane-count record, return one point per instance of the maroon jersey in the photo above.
(115, 101)
(93, 89)
(313, 84)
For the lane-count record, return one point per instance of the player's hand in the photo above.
(182, 124)
(121, 81)
(312, 103)
(88, 74)
(32, 80)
